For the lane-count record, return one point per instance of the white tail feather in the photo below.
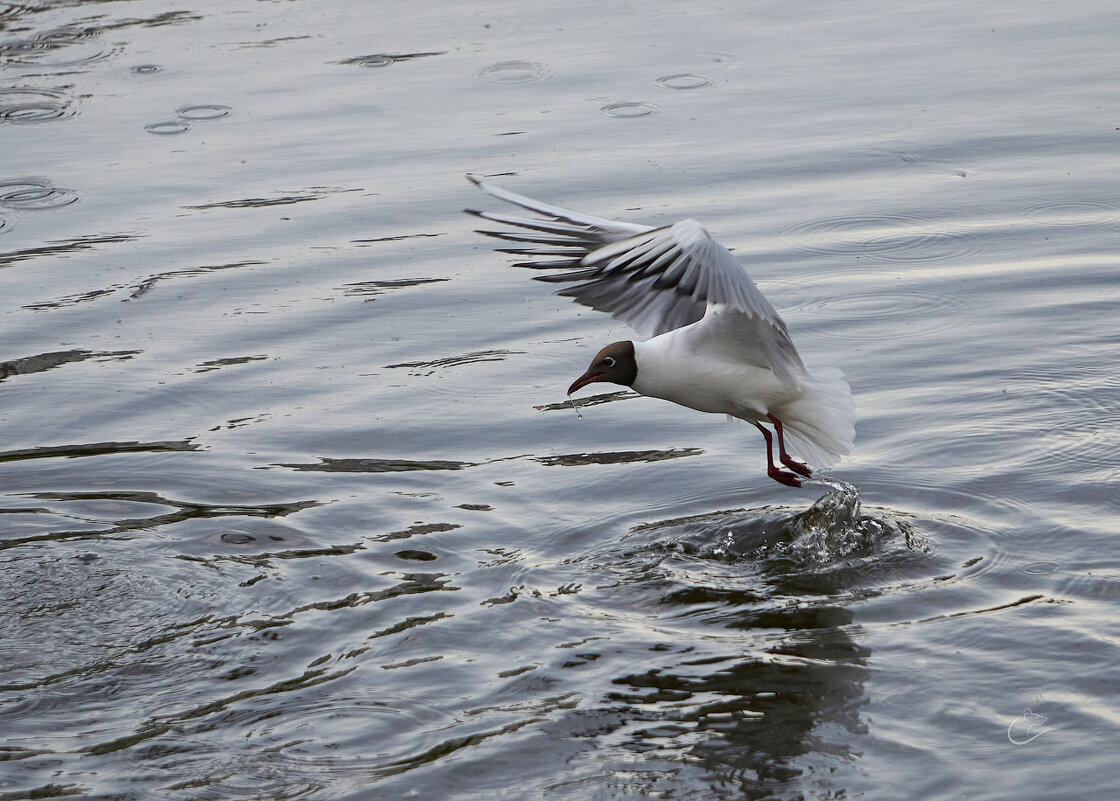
(820, 425)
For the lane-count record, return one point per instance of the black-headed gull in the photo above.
(717, 345)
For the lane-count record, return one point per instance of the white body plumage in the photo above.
(717, 344)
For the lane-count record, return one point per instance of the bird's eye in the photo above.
(609, 361)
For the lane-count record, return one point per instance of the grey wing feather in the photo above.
(654, 279)
(564, 221)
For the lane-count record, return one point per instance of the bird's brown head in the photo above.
(615, 363)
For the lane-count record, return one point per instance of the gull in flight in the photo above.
(715, 343)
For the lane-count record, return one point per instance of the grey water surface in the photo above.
(293, 505)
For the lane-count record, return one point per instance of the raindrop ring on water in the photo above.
(1072, 213)
(919, 312)
(26, 105)
(376, 61)
(169, 127)
(684, 80)
(885, 237)
(514, 72)
(33, 194)
(55, 49)
(204, 112)
(626, 110)
(32, 112)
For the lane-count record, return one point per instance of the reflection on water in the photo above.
(384, 60)
(49, 361)
(762, 699)
(748, 722)
(61, 247)
(580, 459)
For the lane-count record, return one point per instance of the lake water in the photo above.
(292, 504)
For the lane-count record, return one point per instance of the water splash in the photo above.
(833, 530)
(834, 527)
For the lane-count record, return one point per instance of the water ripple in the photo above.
(1092, 393)
(684, 80)
(196, 717)
(1040, 568)
(514, 73)
(911, 313)
(27, 105)
(168, 127)
(616, 457)
(203, 112)
(883, 237)
(285, 199)
(97, 449)
(430, 367)
(370, 290)
(34, 194)
(217, 364)
(42, 362)
(385, 60)
(67, 48)
(330, 465)
(138, 289)
(767, 600)
(590, 400)
(64, 246)
(75, 505)
(630, 109)
(1072, 213)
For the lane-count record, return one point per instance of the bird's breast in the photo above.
(707, 384)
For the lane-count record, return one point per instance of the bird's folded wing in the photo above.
(654, 279)
(726, 334)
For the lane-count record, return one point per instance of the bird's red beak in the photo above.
(585, 379)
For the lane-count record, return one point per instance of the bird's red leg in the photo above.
(781, 476)
(787, 460)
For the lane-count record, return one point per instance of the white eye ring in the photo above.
(609, 361)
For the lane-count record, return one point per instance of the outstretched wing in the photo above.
(654, 279)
